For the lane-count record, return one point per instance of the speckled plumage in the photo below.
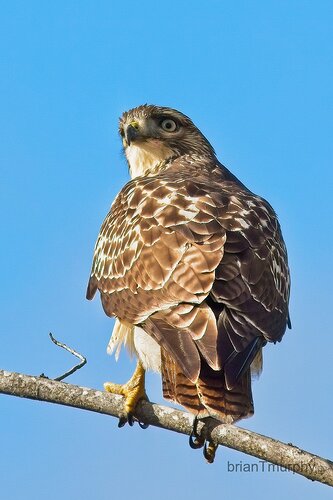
(192, 257)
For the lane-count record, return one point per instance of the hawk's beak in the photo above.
(132, 132)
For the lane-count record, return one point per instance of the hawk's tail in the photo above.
(209, 396)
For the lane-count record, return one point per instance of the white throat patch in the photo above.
(144, 157)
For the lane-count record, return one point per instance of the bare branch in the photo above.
(72, 351)
(285, 455)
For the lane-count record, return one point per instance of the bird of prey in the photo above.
(194, 268)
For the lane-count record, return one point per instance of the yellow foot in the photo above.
(133, 391)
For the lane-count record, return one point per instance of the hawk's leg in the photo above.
(133, 390)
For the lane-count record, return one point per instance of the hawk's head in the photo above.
(152, 134)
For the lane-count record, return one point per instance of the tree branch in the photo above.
(266, 449)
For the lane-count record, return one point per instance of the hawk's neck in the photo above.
(147, 157)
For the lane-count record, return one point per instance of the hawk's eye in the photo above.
(169, 125)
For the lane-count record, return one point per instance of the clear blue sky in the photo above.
(257, 78)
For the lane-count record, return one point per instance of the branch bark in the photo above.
(265, 448)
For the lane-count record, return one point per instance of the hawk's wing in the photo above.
(184, 250)
(250, 294)
(155, 261)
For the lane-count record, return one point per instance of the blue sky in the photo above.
(256, 77)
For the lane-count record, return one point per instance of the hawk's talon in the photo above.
(142, 425)
(209, 451)
(130, 419)
(195, 440)
(122, 421)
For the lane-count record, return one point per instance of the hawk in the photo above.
(194, 268)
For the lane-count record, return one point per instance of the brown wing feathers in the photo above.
(200, 263)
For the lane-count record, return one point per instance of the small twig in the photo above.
(72, 351)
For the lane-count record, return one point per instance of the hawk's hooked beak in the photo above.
(132, 132)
